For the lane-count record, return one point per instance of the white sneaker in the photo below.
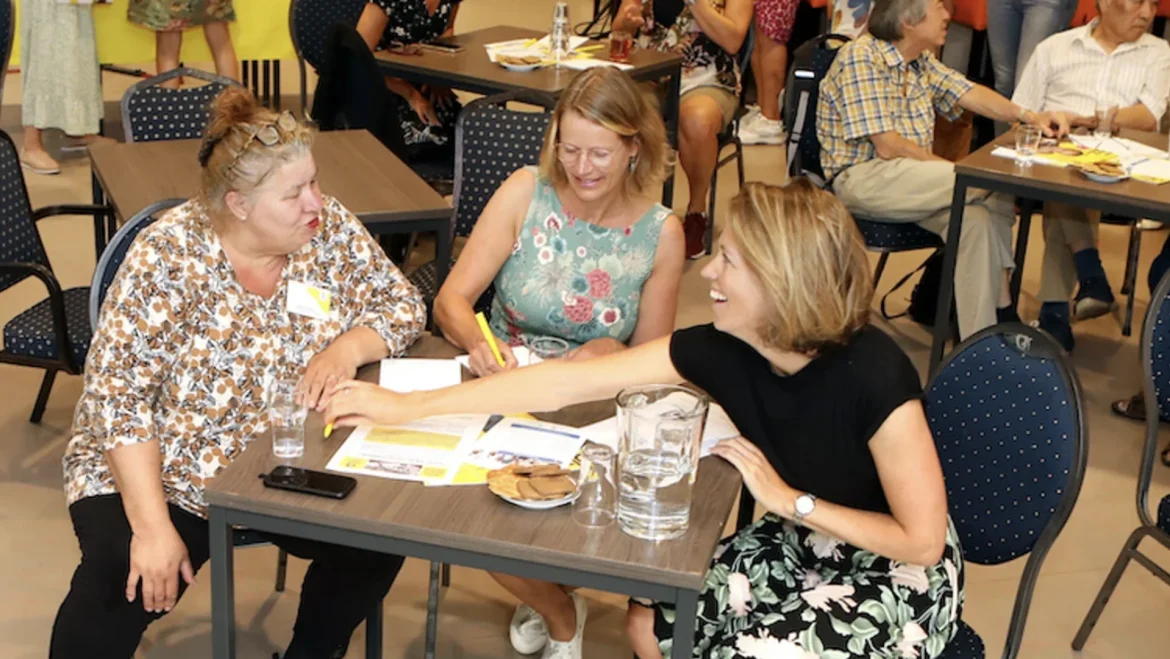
(762, 130)
(569, 649)
(1151, 225)
(527, 632)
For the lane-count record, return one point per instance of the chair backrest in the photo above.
(20, 241)
(810, 65)
(491, 142)
(1155, 386)
(115, 252)
(1005, 409)
(7, 35)
(151, 113)
(310, 23)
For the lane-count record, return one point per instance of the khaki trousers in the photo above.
(915, 191)
(1064, 225)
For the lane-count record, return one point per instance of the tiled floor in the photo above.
(38, 550)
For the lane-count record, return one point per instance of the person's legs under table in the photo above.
(219, 40)
(341, 588)
(553, 602)
(703, 113)
(167, 45)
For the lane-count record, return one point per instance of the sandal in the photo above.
(1133, 407)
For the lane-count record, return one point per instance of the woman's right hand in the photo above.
(483, 362)
(158, 558)
(630, 16)
(355, 402)
(423, 107)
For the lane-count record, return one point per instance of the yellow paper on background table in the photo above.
(259, 33)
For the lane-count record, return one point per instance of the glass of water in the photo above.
(596, 502)
(548, 347)
(660, 428)
(1027, 143)
(286, 416)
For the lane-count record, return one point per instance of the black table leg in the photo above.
(276, 85)
(685, 611)
(223, 605)
(670, 113)
(101, 223)
(442, 254)
(946, 289)
(1027, 209)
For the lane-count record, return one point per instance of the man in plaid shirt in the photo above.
(875, 122)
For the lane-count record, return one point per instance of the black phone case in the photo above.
(295, 479)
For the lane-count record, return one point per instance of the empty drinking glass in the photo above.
(548, 347)
(1027, 143)
(286, 415)
(596, 502)
(1106, 115)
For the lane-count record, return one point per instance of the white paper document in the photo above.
(407, 375)
(582, 64)
(522, 47)
(524, 357)
(424, 450)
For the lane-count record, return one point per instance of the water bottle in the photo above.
(558, 36)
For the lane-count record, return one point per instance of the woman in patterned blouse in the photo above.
(576, 248)
(196, 327)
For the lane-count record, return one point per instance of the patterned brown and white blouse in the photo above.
(183, 353)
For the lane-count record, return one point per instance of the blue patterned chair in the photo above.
(491, 142)
(1005, 410)
(1156, 386)
(54, 333)
(115, 252)
(309, 25)
(151, 113)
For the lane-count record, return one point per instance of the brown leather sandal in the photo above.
(1133, 407)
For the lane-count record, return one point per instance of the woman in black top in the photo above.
(428, 116)
(856, 556)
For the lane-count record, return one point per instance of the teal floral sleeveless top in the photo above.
(572, 279)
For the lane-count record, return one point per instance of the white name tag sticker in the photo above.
(309, 300)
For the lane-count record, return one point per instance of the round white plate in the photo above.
(519, 68)
(540, 505)
(1101, 178)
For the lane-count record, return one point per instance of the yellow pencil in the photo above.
(328, 430)
(491, 340)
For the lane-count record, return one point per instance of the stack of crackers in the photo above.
(531, 482)
(1110, 169)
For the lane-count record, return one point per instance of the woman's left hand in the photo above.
(595, 348)
(325, 369)
(441, 97)
(759, 476)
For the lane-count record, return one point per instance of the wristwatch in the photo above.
(805, 505)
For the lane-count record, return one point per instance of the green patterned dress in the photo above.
(166, 15)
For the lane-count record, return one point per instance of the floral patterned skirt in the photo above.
(165, 15)
(777, 589)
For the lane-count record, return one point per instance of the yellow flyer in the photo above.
(424, 450)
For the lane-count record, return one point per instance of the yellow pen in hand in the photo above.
(328, 430)
(491, 339)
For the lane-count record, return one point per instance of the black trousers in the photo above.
(341, 586)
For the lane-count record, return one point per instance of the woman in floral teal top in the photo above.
(576, 248)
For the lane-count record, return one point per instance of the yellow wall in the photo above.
(260, 32)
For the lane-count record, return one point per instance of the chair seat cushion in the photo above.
(31, 333)
(1164, 514)
(965, 645)
(895, 236)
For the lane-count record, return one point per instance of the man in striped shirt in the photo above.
(1112, 61)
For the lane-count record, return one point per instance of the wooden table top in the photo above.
(471, 69)
(353, 166)
(473, 519)
(1066, 180)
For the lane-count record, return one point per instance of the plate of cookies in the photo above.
(536, 487)
(1104, 172)
(518, 62)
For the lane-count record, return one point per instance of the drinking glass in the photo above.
(1027, 143)
(620, 44)
(548, 347)
(1106, 114)
(286, 415)
(596, 502)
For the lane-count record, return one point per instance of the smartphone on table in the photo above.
(442, 45)
(307, 481)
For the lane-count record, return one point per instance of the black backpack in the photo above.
(810, 64)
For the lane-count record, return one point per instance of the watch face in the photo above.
(804, 504)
